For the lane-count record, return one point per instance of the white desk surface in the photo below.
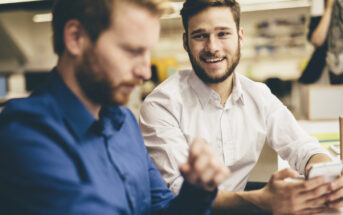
(319, 126)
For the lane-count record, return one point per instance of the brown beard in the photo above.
(201, 73)
(96, 83)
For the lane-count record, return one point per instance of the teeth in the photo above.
(215, 60)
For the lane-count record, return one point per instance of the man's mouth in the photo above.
(212, 60)
(130, 86)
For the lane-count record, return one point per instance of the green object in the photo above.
(326, 139)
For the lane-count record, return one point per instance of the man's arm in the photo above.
(237, 203)
(320, 32)
(203, 172)
(279, 196)
(164, 139)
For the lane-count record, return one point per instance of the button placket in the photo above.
(222, 135)
(227, 140)
(123, 174)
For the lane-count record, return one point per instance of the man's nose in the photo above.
(143, 68)
(212, 44)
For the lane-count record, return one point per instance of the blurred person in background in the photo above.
(325, 33)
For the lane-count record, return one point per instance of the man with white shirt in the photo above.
(236, 116)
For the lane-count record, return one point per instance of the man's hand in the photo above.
(297, 197)
(335, 198)
(203, 168)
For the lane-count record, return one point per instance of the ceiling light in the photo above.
(43, 17)
(16, 1)
(250, 5)
(177, 6)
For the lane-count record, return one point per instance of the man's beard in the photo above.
(201, 73)
(96, 83)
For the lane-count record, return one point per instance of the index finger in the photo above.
(302, 186)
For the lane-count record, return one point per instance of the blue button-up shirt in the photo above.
(56, 158)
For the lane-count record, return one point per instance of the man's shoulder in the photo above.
(173, 87)
(250, 86)
(40, 104)
(26, 112)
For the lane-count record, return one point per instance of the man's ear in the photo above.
(75, 37)
(241, 35)
(185, 42)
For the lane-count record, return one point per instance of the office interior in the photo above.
(275, 51)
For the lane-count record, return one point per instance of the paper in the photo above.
(327, 139)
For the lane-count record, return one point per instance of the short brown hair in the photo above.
(94, 16)
(193, 7)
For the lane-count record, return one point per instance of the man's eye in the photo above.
(134, 51)
(200, 36)
(223, 34)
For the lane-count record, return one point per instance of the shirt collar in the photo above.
(204, 92)
(111, 119)
(76, 114)
(237, 92)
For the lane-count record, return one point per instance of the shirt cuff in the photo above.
(309, 156)
(200, 199)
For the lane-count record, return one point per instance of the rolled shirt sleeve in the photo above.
(165, 141)
(288, 139)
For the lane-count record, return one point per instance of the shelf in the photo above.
(259, 5)
(251, 6)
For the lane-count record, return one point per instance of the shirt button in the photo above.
(124, 177)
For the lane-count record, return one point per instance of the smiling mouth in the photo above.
(212, 60)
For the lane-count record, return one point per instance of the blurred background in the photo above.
(275, 49)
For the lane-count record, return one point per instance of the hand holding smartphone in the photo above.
(330, 170)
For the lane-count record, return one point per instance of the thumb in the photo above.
(285, 173)
(307, 169)
(184, 168)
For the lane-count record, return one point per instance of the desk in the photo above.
(319, 126)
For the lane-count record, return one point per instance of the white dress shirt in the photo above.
(183, 108)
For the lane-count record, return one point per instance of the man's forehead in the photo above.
(219, 17)
(135, 25)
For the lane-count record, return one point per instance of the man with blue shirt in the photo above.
(71, 148)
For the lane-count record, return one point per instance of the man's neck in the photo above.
(224, 88)
(66, 69)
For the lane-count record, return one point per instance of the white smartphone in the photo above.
(335, 148)
(330, 170)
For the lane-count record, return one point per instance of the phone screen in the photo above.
(330, 170)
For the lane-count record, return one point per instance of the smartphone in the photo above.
(335, 148)
(330, 170)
